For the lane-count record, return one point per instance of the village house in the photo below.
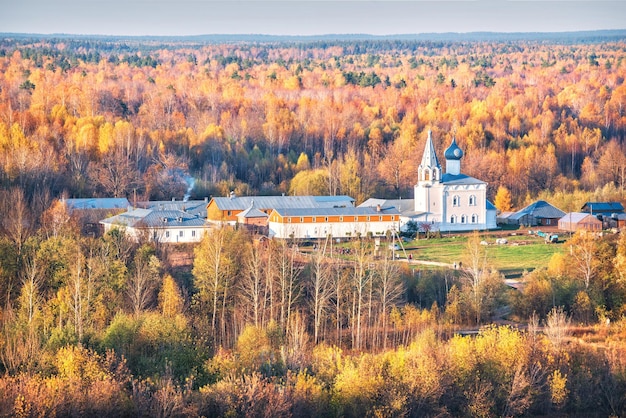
(89, 211)
(610, 213)
(577, 221)
(602, 208)
(163, 226)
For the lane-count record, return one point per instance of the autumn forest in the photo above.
(100, 324)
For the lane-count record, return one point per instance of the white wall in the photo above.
(439, 199)
(336, 229)
(464, 192)
(189, 235)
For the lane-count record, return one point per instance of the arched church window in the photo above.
(463, 219)
(427, 174)
(456, 201)
(474, 218)
(472, 200)
(453, 219)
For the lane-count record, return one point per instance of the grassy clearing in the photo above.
(522, 252)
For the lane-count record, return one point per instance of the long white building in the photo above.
(345, 222)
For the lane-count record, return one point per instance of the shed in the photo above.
(539, 213)
(617, 220)
(252, 216)
(503, 218)
(254, 220)
(89, 211)
(577, 221)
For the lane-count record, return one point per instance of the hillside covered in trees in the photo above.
(90, 117)
(233, 326)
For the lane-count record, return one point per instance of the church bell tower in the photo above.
(429, 170)
(428, 179)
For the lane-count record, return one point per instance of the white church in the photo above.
(444, 201)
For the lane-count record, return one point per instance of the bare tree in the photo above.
(77, 293)
(320, 289)
(340, 293)
(360, 281)
(30, 302)
(583, 250)
(268, 313)
(116, 175)
(557, 326)
(389, 288)
(252, 284)
(297, 339)
(30, 299)
(143, 282)
(288, 272)
(16, 220)
(475, 272)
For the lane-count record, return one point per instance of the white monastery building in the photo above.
(444, 201)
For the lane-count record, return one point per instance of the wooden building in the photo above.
(539, 213)
(227, 209)
(577, 221)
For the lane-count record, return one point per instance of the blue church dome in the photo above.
(453, 152)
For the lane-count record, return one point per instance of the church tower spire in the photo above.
(429, 170)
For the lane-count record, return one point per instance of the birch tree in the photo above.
(582, 252)
(360, 281)
(475, 262)
(143, 281)
(212, 271)
(288, 272)
(388, 287)
(320, 289)
(252, 284)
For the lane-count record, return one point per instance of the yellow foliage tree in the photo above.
(620, 258)
(503, 199)
(309, 182)
(303, 162)
(170, 299)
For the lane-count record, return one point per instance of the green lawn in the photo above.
(522, 252)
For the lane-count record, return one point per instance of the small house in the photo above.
(164, 226)
(607, 212)
(577, 221)
(602, 208)
(89, 211)
(503, 218)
